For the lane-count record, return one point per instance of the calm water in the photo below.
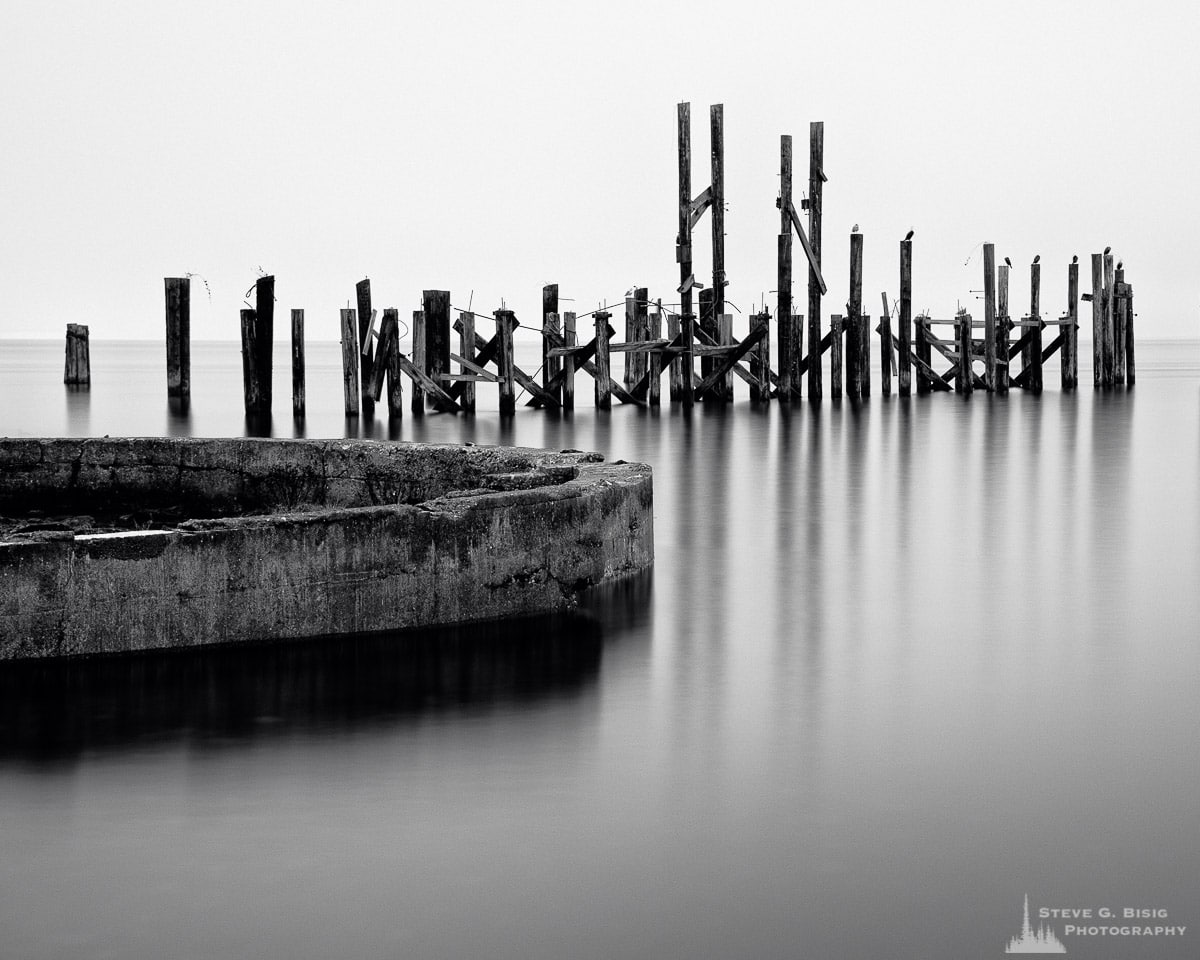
(897, 667)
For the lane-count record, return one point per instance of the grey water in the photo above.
(898, 665)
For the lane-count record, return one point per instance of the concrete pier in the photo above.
(111, 545)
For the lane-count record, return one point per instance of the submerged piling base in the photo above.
(112, 545)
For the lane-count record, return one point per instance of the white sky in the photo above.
(498, 146)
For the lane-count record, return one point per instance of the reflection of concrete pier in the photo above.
(127, 544)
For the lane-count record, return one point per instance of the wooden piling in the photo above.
(990, 353)
(77, 368)
(654, 361)
(390, 357)
(1097, 318)
(885, 350)
(1119, 326)
(350, 362)
(298, 364)
(905, 364)
(816, 182)
(1109, 341)
(417, 404)
(437, 333)
(264, 308)
(550, 365)
(636, 325)
(725, 337)
(366, 349)
(603, 388)
(508, 394)
(855, 362)
(676, 367)
(708, 327)
(1070, 332)
(716, 139)
(569, 340)
(924, 353)
(1129, 315)
(787, 361)
(1003, 323)
(760, 360)
(1033, 380)
(179, 335)
(835, 356)
(683, 253)
(466, 350)
(963, 383)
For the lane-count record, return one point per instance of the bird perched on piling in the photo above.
(1075, 259)
(854, 229)
(1037, 258)
(909, 235)
(1120, 264)
(1007, 262)
(1107, 251)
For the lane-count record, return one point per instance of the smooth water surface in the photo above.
(897, 666)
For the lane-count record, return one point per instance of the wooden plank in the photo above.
(924, 354)
(816, 284)
(814, 264)
(298, 399)
(551, 323)
(725, 332)
(887, 359)
(177, 291)
(485, 353)
(395, 379)
(440, 399)
(366, 316)
(479, 373)
(387, 331)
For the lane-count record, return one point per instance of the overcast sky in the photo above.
(494, 147)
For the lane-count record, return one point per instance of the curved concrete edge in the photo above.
(466, 555)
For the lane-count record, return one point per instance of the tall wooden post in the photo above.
(550, 365)
(1033, 380)
(417, 404)
(885, 350)
(466, 347)
(350, 363)
(298, 364)
(508, 393)
(366, 349)
(683, 252)
(654, 361)
(1003, 322)
(264, 308)
(854, 338)
(1070, 332)
(1119, 326)
(635, 332)
(716, 114)
(905, 371)
(254, 378)
(816, 181)
(784, 272)
(990, 358)
(569, 340)
(1109, 340)
(603, 388)
(835, 356)
(77, 369)
(179, 337)
(437, 333)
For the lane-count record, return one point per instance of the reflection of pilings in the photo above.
(63, 708)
